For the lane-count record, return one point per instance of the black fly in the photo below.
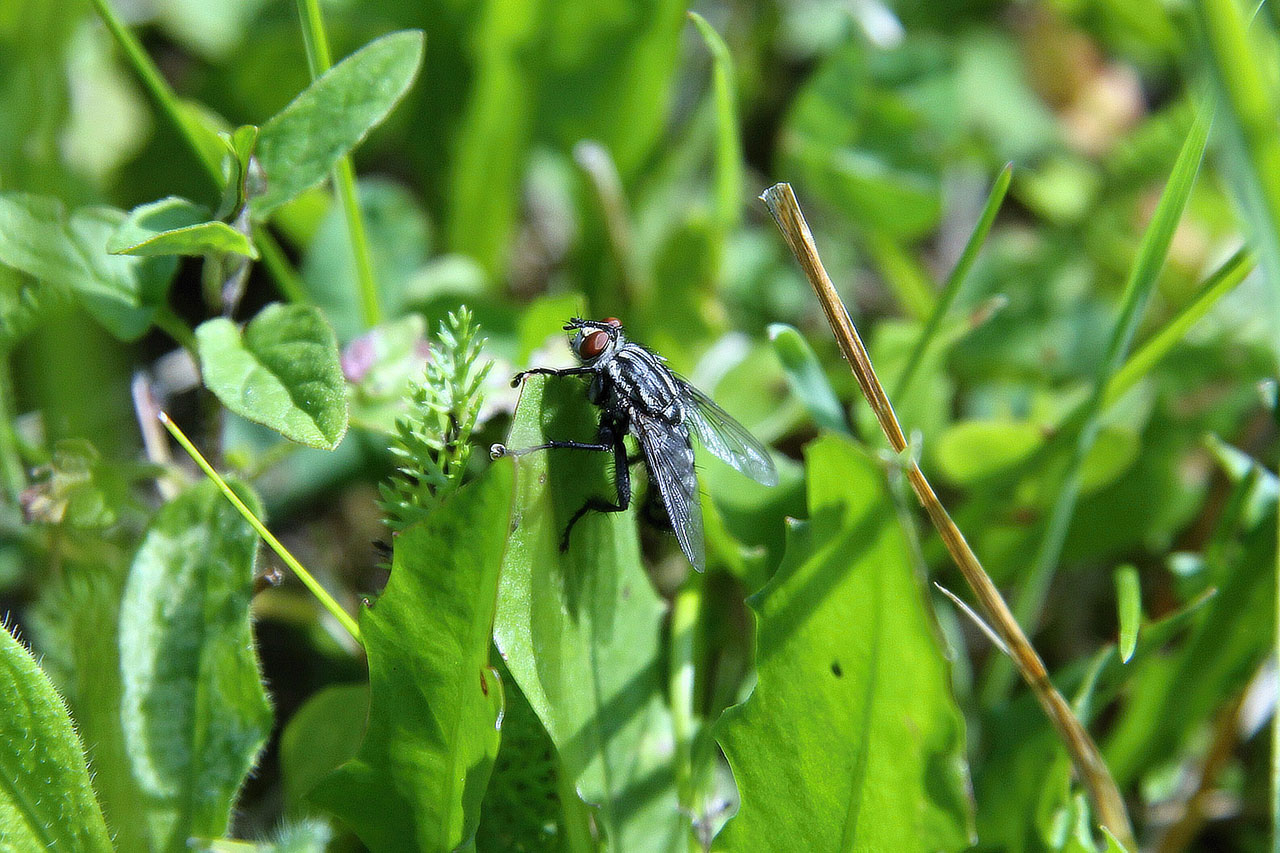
(638, 394)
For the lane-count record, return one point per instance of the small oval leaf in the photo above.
(299, 145)
(194, 710)
(968, 451)
(175, 226)
(1129, 605)
(282, 372)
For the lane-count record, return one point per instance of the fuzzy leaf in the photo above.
(175, 226)
(581, 631)
(46, 801)
(194, 709)
(435, 704)
(851, 739)
(299, 145)
(38, 237)
(282, 372)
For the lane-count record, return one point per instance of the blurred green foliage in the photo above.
(169, 238)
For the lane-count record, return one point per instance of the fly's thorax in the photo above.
(645, 383)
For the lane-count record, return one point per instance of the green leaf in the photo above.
(46, 800)
(38, 237)
(193, 705)
(308, 836)
(282, 372)
(435, 704)
(968, 451)
(321, 735)
(728, 178)
(74, 627)
(851, 739)
(175, 226)
(301, 144)
(1129, 607)
(805, 376)
(581, 631)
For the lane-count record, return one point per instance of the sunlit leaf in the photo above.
(580, 631)
(851, 738)
(175, 226)
(194, 709)
(282, 371)
(46, 802)
(299, 146)
(435, 704)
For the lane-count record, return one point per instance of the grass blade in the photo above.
(1129, 607)
(805, 376)
(1152, 252)
(728, 177)
(1220, 283)
(955, 280)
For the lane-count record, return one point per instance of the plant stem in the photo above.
(1083, 752)
(952, 287)
(308, 580)
(344, 174)
(175, 327)
(167, 100)
(12, 470)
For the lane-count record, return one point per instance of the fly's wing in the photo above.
(728, 439)
(670, 461)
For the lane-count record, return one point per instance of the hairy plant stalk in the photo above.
(1084, 753)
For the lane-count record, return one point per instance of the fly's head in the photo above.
(595, 340)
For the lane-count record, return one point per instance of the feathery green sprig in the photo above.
(432, 444)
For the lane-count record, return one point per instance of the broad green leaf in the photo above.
(435, 704)
(75, 629)
(581, 630)
(301, 144)
(175, 226)
(968, 451)
(194, 709)
(38, 237)
(1129, 607)
(282, 371)
(46, 800)
(323, 734)
(851, 739)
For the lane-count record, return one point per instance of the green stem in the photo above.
(156, 85)
(344, 174)
(952, 288)
(11, 468)
(326, 600)
(164, 96)
(175, 327)
(273, 258)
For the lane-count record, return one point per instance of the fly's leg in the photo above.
(622, 477)
(549, 371)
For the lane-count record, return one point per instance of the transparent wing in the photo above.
(670, 461)
(727, 439)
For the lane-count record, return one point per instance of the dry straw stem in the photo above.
(1084, 753)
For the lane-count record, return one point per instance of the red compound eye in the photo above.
(612, 321)
(593, 344)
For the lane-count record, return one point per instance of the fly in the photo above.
(638, 394)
